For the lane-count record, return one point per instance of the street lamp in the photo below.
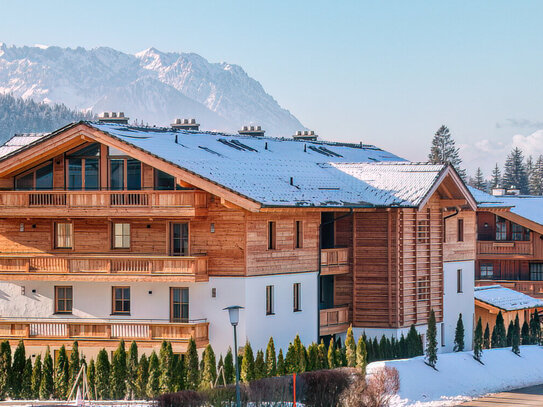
(233, 313)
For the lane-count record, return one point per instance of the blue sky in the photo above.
(382, 72)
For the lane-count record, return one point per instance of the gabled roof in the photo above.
(505, 298)
(285, 172)
(18, 141)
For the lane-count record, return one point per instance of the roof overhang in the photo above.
(449, 179)
(513, 217)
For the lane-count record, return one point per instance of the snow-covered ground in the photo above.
(460, 378)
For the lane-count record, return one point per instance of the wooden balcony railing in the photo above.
(87, 329)
(519, 248)
(335, 261)
(531, 288)
(87, 202)
(334, 320)
(105, 267)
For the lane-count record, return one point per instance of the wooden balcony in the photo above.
(335, 261)
(104, 268)
(334, 320)
(103, 203)
(486, 249)
(100, 332)
(531, 288)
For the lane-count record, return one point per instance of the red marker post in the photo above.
(294, 388)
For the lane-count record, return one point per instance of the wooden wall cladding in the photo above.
(454, 250)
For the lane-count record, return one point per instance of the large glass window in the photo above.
(179, 239)
(40, 178)
(121, 166)
(501, 228)
(179, 304)
(164, 181)
(536, 271)
(83, 168)
(121, 300)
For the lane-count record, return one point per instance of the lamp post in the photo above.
(233, 313)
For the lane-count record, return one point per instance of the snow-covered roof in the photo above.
(505, 298)
(18, 141)
(485, 200)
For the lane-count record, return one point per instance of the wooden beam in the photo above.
(513, 217)
(447, 203)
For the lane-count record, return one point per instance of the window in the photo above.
(423, 289)
(121, 235)
(164, 181)
(298, 234)
(179, 304)
(63, 235)
(40, 178)
(83, 168)
(296, 291)
(124, 174)
(459, 280)
(487, 271)
(121, 300)
(460, 230)
(423, 231)
(519, 232)
(501, 228)
(269, 300)
(442, 334)
(63, 300)
(179, 239)
(536, 271)
(272, 235)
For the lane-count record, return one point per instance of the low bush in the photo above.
(376, 390)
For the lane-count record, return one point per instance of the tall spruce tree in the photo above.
(281, 368)
(496, 180)
(47, 383)
(153, 376)
(444, 151)
(165, 361)
(515, 340)
(403, 347)
(486, 338)
(536, 177)
(260, 365)
(102, 378)
(431, 341)
(91, 379)
(62, 374)
(178, 380)
(26, 389)
(118, 373)
(229, 368)
(248, 364)
(192, 371)
(350, 348)
(17, 370)
(271, 362)
(515, 175)
(5, 369)
(209, 372)
(478, 181)
(142, 377)
(74, 366)
(510, 330)
(132, 369)
(478, 341)
(535, 328)
(361, 355)
(459, 335)
(413, 339)
(499, 334)
(36, 377)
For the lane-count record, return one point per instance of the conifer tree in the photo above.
(248, 364)
(499, 335)
(322, 357)
(459, 335)
(332, 362)
(384, 348)
(535, 328)
(46, 384)
(525, 334)
(431, 341)
(536, 177)
(350, 348)
(5, 369)
(312, 357)
(153, 377)
(341, 358)
(17, 370)
(478, 341)
(61, 374)
(36, 377)
(132, 369)
(510, 330)
(74, 365)
(229, 369)
(486, 338)
(91, 379)
(260, 365)
(403, 347)
(165, 362)
(142, 377)
(515, 340)
(271, 363)
(377, 351)
(290, 359)
(361, 355)
(102, 378)
(444, 151)
(515, 172)
(300, 355)
(478, 181)
(281, 368)
(413, 347)
(26, 389)
(118, 373)
(220, 372)
(496, 177)
(192, 373)
(209, 372)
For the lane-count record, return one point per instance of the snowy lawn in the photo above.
(460, 377)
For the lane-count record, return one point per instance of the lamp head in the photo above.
(233, 313)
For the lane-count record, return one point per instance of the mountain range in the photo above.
(151, 86)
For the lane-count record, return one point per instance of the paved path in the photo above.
(529, 396)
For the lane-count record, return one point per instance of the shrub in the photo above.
(376, 391)
(26, 388)
(46, 384)
(248, 364)
(153, 380)
(74, 366)
(271, 363)
(142, 376)
(188, 398)
(323, 388)
(61, 374)
(192, 371)
(459, 335)
(17, 370)
(229, 369)
(165, 367)
(209, 373)
(101, 380)
(132, 369)
(36, 378)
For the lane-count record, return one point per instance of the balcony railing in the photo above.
(106, 267)
(87, 202)
(531, 288)
(335, 261)
(334, 320)
(521, 248)
(98, 329)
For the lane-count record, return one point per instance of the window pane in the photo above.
(75, 174)
(91, 173)
(116, 174)
(25, 183)
(126, 293)
(185, 295)
(133, 174)
(176, 311)
(176, 295)
(164, 181)
(91, 150)
(44, 177)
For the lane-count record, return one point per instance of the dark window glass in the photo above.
(487, 271)
(536, 271)
(272, 237)
(180, 239)
(91, 173)
(63, 300)
(460, 230)
(121, 300)
(44, 177)
(164, 181)
(116, 174)
(91, 150)
(501, 228)
(269, 300)
(133, 174)
(75, 173)
(180, 304)
(25, 182)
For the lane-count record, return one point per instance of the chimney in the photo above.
(113, 117)
(186, 124)
(255, 131)
(306, 135)
(498, 191)
(513, 191)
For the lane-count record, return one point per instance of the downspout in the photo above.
(319, 269)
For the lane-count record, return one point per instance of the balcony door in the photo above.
(179, 239)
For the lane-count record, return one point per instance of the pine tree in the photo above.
(248, 364)
(17, 370)
(290, 359)
(341, 359)
(486, 339)
(384, 348)
(361, 355)
(118, 373)
(535, 328)
(153, 376)
(178, 377)
(332, 361)
(499, 335)
(478, 341)
(165, 362)
(26, 389)
(101, 380)
(281, 368)
(496, 180)
(444, 151)
(142, 377)
(192, 371)
(209, 372)
(5, 369)
(515, 341)
(229, 368)
(515, 172)
(478, 181)
(132, 369)
(61, 374)
(300, 358)
(413, 347)
(322, 357)
(459, 335)
(260, 365)
(271, 363)
(74, 366)
(431, 340)
(312, 357)
(536, 177)
(47, 383)
(36, 377)
(350, 348)
(403, 347)
(91, 379)
(510, 330)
